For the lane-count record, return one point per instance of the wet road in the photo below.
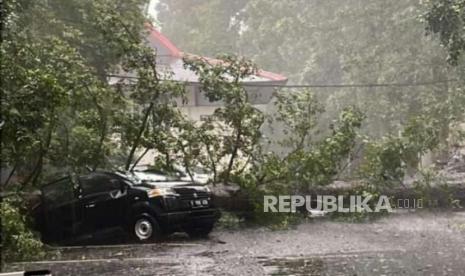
(401, 244)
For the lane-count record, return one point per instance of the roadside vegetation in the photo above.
(18, 241)
(60, 114)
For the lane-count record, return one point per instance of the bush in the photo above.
(18, 242)
(386, 161)
(433, 189)
(382, 163)
(255, 193)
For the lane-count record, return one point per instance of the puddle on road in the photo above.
(369, 263)
(372, 263)
(293, 266)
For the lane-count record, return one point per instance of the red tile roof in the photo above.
(175, 52)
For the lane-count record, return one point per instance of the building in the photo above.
(197, 107)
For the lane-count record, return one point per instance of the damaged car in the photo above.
(142, 205)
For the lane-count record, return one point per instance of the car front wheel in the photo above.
(146, 228)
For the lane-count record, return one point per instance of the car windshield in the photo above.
(153, 175)
(199, 170)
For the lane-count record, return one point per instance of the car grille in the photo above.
(190, 193)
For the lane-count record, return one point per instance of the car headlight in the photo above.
(161, 192)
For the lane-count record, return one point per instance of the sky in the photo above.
(152, 11)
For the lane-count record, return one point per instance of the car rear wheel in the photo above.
(146, 228)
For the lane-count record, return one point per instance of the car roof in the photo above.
(90, 174)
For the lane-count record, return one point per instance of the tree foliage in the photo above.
(308, 160)
(206, 28)
(447, 19)
(237, 120)
(59, 108)
(354, 42)
(387, 160)
(18, 242)
(321, 42)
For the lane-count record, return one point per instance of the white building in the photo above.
(170, 59)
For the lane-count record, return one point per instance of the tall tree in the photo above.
(57, 106)
(447, 19)
(354, 42)
(202, 27)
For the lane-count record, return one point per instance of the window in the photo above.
(98, 183)
(259, 95)
(203, 100)
(59, 192)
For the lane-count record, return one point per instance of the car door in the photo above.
(102, 201)
(61, 212)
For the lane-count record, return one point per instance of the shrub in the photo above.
(18, 242)
(386, 161)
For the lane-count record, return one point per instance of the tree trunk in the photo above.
(139, 136)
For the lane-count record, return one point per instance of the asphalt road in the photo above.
(402, 244)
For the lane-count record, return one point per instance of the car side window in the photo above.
(98, 183)
(59, 192)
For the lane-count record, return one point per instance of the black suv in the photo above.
(96, 204)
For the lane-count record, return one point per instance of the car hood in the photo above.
(171, 184)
